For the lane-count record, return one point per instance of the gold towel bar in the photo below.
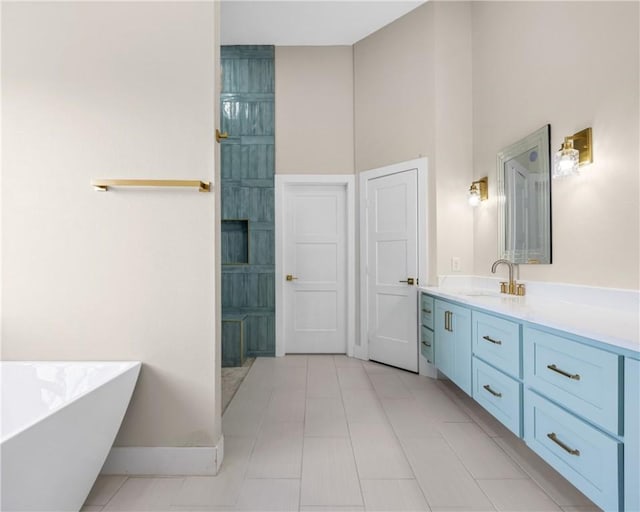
(103, 185)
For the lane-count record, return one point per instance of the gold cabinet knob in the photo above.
(290, 277)
(409, 280)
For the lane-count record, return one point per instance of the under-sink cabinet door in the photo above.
(584, 379)
(497, 341)
(444, 352)
(453, 343)
(499, 394)
(587, 457)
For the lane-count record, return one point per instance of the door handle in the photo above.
(290, 278)
(410, 281)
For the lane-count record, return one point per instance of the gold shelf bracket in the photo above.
(104, 185)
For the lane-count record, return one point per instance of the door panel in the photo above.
(315, 257)
(392, 257)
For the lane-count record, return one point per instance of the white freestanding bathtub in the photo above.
(59, 420)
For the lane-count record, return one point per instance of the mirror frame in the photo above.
(541, 139)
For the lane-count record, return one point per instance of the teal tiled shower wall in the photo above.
(248, 166)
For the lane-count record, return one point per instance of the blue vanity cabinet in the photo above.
(453, 343)
(632, 435)
(575, 401)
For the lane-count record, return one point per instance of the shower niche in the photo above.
(235, 242)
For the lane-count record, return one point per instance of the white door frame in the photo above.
(282, 181)
(421, 164)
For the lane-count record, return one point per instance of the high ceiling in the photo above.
(307, 22)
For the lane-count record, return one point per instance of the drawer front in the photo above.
(588, 458)
(584, 379)
(427, 310)
(497, 341)
(426, 343)
(498, 394)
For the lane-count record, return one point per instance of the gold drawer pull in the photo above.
(427, 311)
(554, 368)
(494, 393)
(555, 439)
(491, 340)
(426, 344)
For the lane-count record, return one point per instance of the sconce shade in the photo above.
(575, 152)
(566, 161)
(474, 197)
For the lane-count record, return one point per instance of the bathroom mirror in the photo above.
(524, 199)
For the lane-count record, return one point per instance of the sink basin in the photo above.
(487, 294)
(481, 293)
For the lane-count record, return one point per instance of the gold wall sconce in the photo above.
(479, 191)
(576, 151)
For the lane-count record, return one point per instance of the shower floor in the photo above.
(232, 377)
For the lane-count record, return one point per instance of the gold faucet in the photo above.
(512, 288)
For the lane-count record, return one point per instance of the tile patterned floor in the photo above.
(330, 433)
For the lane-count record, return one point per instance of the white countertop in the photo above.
(614, 320)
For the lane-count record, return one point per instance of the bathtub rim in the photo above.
(129, 365)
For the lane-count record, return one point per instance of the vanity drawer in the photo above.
(497, 341)
(588, 458)
(426, 343)
(426, 310)
(499, 394)
(583, 379)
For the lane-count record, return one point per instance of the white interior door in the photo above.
(392, 262)
(315, 269)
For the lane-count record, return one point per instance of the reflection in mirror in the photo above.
(524, 199)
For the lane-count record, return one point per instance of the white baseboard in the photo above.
(164, 461)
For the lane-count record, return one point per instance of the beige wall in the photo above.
(453, 164)
(94, 90)
(413, 99)
(395, 92)
(573, 65)
(314, 110)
